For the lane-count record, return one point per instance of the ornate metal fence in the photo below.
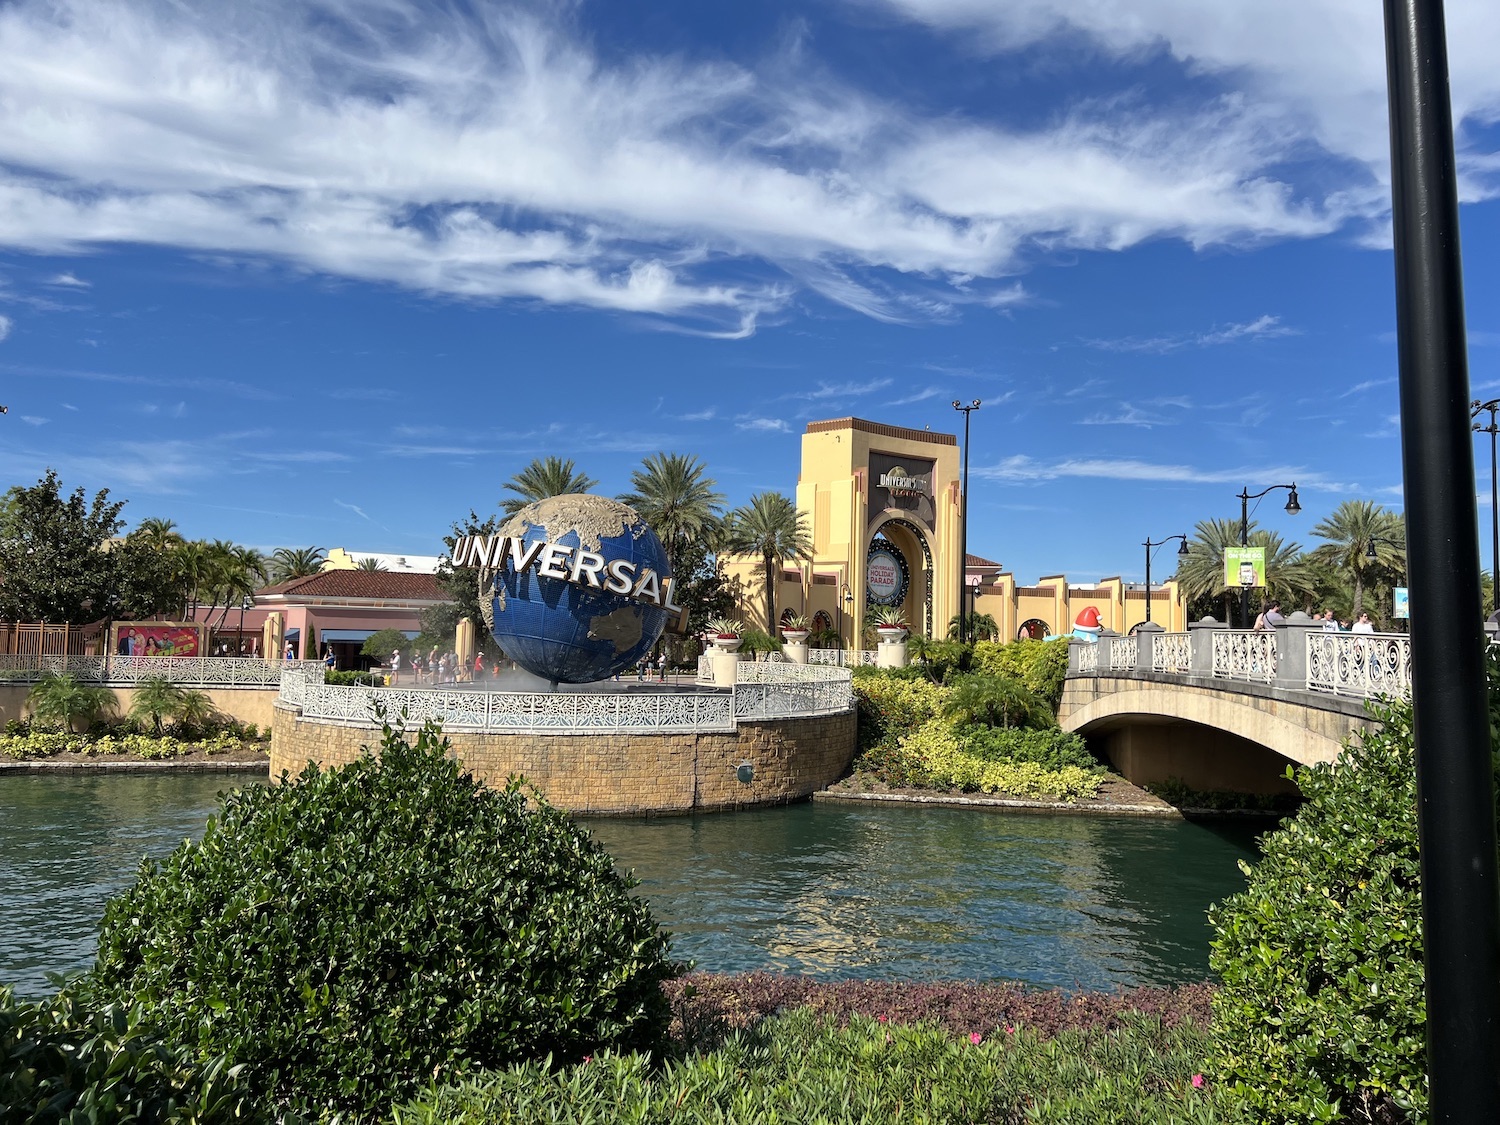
(1359, 664)
(762, 691)
(1171, 652)
(1088, 658)
(190, 671)
(1124, 653)
(1244, 656)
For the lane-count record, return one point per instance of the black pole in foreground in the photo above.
(1493, 406)
(963, 547)
(1455, 787)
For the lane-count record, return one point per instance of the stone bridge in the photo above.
(1224, 709)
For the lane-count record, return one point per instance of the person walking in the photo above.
(395, 667)
(1363, 625)
(478, 667)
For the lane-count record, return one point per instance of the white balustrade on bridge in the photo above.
(1296, 656)
(763, 690)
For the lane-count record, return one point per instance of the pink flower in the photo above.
(880, 1018)
(588, 1058)
(975, 1038)
(1197, 1081)
(1009, 1030)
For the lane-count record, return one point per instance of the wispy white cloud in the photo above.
(495, 154)
(707, 415)
(33, 420)
(1367, 385)
(850, 388)
(1128, 414)
(5, 323)
(918, 396)
(68, 280)
(1025, 469)
(1261, 328)
(763, 425)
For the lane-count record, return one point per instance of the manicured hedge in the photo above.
(39, 744)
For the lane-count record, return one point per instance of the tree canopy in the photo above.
(544, 477)
(55, 564)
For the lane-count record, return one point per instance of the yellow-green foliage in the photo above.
(949, 766)
(47, 744)
(889, 706)
(1040, 665)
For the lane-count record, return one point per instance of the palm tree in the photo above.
(369, 563)
(1354, 528)
(544, 477)
(1200, 573)
(296, 562)
(675, 499)
(158, 533)
(769, 526)
(244, 573)
(981, 626)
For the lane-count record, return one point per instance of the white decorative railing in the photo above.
(825, 656)
(191, 671)
(761, 691)
(1171, 652)
(1124, 653)
(1088, 658)
(1359, 664)
(1244, 656)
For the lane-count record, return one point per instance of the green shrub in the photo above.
(1051, 749)
(349, 679)
(352, 934)
(801, 1068)
(997, 701)
(940, 661)
(1322, 1015)
(46, 744)
(63, 1060)
(156, 698)
(59, 699)
(889, 704)
(1040, 665)
(947, 766)
(381, 643)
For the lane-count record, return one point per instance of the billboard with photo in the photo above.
(1244, 566)
(157, 638)
(1401, 604)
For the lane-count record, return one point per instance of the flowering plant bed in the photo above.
(47, 745)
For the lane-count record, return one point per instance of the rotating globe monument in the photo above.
(577, 587)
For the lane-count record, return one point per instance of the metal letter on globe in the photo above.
(580, 628)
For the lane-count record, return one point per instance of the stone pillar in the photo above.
(1291, 650)
(1145, 639)
(890, 654)
(1075, 646)
(725, 665)
(1201, 638)
(795, 653)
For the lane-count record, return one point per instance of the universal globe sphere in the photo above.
(567, 632)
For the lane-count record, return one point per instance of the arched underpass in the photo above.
(1208, 735)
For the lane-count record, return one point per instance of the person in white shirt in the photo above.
(1363, 624)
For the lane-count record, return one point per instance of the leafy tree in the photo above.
(769, 526)
(53, 563)
(1352, 530)
(381, 643)
(157, 533)
(296, 562)
(672, 494)
(148, 581)
(698, 583)
(997, 701)
(544, 477)
(462, 594)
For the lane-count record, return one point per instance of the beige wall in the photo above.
(248, 705)
(619, 774)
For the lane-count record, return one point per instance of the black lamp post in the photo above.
(1475, 409)
(1181, 551)
(963, 515)
(846, 608)
(247, 602)
(1292, 508)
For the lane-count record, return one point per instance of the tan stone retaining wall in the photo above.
(248, 705)
(618, 774)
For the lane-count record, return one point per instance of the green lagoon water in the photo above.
(832, 890)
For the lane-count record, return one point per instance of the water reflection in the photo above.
(826, 889)
(855, 891)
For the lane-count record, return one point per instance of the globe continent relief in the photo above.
(570, 633)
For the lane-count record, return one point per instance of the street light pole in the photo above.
(1455, 773)
(963, 516)
(1475, 408)
(1292, 508)
(1183, 550)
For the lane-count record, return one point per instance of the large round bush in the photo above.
(355, 933)
(1322, 1015)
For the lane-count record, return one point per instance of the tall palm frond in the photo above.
(769, 526)
(296, 562)
(544, 477)
(675, 498)
(1351, 530)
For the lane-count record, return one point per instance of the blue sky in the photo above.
(328, 274)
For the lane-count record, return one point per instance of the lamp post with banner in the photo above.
(1182, 551)
(963, 517)
(1292, 508)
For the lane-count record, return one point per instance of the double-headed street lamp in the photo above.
(1181, 552)
(963, 515)
(1476, 408)
(1292, 508)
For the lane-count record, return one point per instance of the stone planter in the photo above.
(794, 636)
(725, 664)
(796, 653)
(891, 652)
(728, 642)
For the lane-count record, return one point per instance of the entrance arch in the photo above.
(911, 541)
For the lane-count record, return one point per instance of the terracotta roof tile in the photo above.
(373, 584)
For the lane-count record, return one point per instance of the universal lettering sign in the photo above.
(574, 565)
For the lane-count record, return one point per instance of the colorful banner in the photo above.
(155, 638)
(1244, 566)
(1401, 605)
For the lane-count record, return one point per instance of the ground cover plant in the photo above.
(37, 745)
(980, 732)
(353, 933)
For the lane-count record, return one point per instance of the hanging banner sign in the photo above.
(1401, 604)
(886, 574)
(1244, 566)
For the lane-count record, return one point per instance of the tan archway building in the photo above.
(882, 505)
